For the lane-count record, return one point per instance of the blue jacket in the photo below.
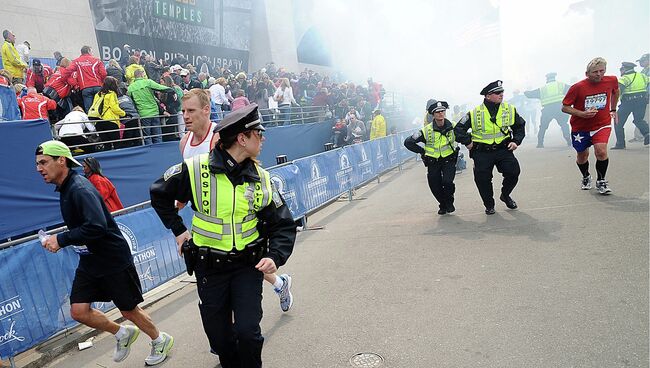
(91, 224)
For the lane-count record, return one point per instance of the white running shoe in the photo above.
(603, 187)
(123, 347)
(286, 299)
(586, 183)
(160, 350)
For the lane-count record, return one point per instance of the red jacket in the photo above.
(90, 71)
(61, 85)
(35, 106)
(107, 190)
(38, 80)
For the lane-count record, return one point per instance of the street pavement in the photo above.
(560, 282)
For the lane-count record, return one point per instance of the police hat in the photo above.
(438, 106)
(36, 62)
(644, 57)
(551, 75)
(431, 101)
(496, 86)
(241, 120)
(627, 65)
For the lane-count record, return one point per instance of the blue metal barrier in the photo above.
(35, 284)
(308, 183)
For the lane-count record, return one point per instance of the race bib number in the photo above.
(81, 249)
(596, 101)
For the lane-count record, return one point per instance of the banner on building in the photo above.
(197, 31)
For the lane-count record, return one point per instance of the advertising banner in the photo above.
(197, 31)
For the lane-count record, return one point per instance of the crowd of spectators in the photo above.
(136, 100)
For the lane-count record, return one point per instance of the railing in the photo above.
(133, 135)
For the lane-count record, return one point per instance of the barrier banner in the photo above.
(285, 179)
(35, 284)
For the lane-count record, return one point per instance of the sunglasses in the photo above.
(260, 133)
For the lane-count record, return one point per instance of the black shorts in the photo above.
(122, 288)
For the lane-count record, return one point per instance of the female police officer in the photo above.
(240, 230)
(439, 155)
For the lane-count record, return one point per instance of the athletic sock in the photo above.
(278, 283)
(122, 332)
(158, 339)
(584, 169)
(601, 168)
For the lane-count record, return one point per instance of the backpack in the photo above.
(97, 109)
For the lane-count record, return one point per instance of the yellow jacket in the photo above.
(111, 109)
(11, 60)
(129, 72)
(378, 127)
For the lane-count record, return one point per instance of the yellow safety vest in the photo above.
(634, 83)
(226, 215)
(484, 131)
(438, 145)
(552, 92)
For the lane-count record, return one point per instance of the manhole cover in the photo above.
(366, 360)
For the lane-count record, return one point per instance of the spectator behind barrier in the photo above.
(93, 172)
(75, 130)
(35, 105)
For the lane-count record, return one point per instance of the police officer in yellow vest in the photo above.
(634, 99)
(241, 229)
(496, 131)
(439, 155)
(551, 96)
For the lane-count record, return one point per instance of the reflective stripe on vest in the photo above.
(552, 92)
(634, 83)
(226, 215)
(438, 145)
(484, 131)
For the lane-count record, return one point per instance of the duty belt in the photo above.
(490, 147)
(211, 258)
(634, 96)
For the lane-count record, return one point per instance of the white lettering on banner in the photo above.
(392, 152)
(380, 156)
(11, 335)
(129, 236)
(343, 174)
(144, 256)
(317, 186)
(10, 307)
(365, 165)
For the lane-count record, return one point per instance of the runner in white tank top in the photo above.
(190, 150)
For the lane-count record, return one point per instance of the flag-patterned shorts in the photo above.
(585, 139)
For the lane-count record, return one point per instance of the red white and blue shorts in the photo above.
(582, 140)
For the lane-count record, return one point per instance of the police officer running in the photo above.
(496, 131)
(550, 96)
(634, 99)
(439, 155)
(241, 229)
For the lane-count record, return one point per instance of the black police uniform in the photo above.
(635, 104)
(486, 157)
(233, 284)
(549, 112)
(440, 171)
